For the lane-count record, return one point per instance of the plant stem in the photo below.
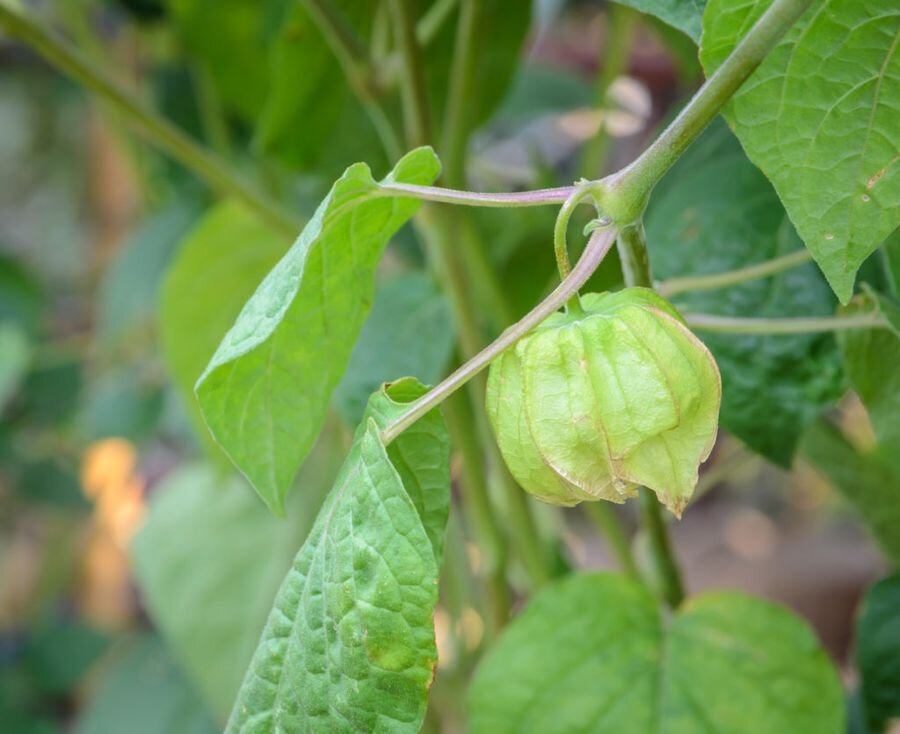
(426, 29)
(663, 558)
(714, 281)
(632, 244)
(597, 247)
(624, 195)
(459, 97)
(415, 93)
(538, 197)
(620, 33)
(604, 517)
(813, 324)
(158, 131)
(352, 55)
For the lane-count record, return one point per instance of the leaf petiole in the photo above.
(737, 325)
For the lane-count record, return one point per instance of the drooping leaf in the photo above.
(819, 118)
(869, 482)
(593, 654)
(209, 544)
(127, 298)
(265, 392)
(685, 15)
(878, 652)
(871, 357)
(715, 212)
(409, 331)
(349, 645)
(219, 265)
(142, 691)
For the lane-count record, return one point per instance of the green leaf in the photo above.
(265, 392)
(715, 212)
(685, 15)
(408, 332)
(122, 403)
(142, 691)
(869, 482)
(878, 652)
(595, 654)
(208, 543)
(819, 118)
(230, 39)
(127, 298)
(871, 357)
(219, 265)
(349, 645)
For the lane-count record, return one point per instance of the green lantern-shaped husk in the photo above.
(590, 406)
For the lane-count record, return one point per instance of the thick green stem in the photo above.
(715, 281)
(158, 131)
(665, 568)
(415, 93)
(624, 195)
(813, 324)
(632, 246)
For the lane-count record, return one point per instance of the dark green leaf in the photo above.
(819, 118)
(231, 40)
(219, 265)
(21, 298)
(408, 332)
(350, 646)
(122, 403)
(878, 652)
(869, 482)
(594, 654)
(60, 651)
(265, 392)
(715, 212)
(210, 544)
(685, 15)
(15, 356)
(143, 692)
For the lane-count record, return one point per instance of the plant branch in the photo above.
(624, 195)
(415, 93)
(604, 517)
(714, 281)
(426, 29)
(459, 97)
(813, 324)
(666, 569)
(157, 130)
(514, 199)
(597, 247)
(352, 55)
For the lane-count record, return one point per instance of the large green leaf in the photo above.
(685, 15)
(871, 357)
(349, 646)
(869, 482)
(819, 117)
(219, 265)
(408, 332)
(265, 392)
(878, 652)
(595, 654)
(715, 212)
(142, 691)
(209, 544)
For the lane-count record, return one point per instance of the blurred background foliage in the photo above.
(131, 587)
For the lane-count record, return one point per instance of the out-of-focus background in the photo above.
(135, 574)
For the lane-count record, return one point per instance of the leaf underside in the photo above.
(349, 645)
(266, 390)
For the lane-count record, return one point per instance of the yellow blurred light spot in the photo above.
(470, 628)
